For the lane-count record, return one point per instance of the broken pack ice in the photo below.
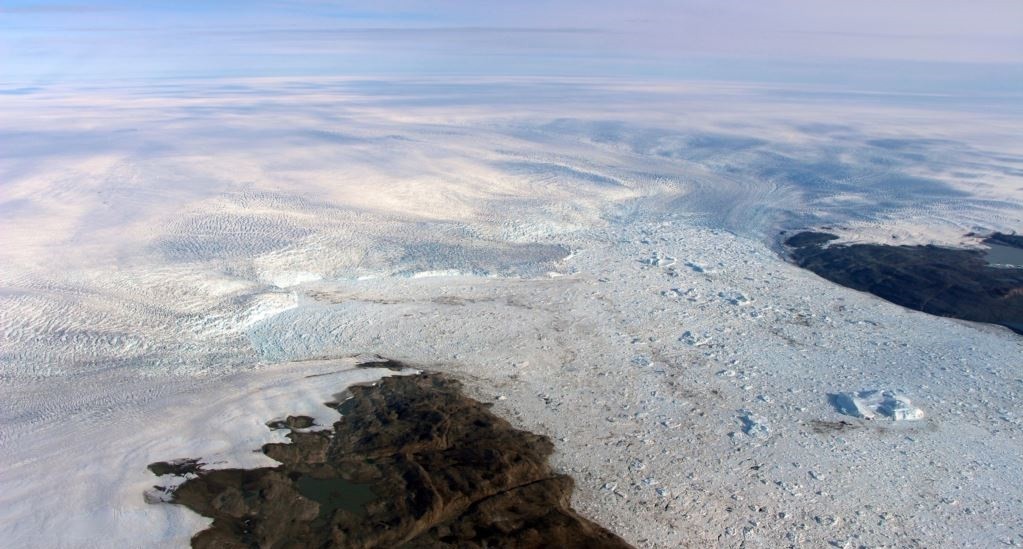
(872, 403)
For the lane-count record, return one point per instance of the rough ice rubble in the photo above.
(657, 259)
(753, 424)
(689, 338)
(791, 347)
(870, 404)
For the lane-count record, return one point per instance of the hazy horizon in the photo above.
(942, 47)
(588, 213)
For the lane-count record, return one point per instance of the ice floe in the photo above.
(870, 404)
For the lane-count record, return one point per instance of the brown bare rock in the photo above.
(412, 463)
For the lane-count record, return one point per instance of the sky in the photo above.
(943, 46)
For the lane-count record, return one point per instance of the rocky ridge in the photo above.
(412, 463)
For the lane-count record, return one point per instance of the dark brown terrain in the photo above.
(950, 282)
(412, 463)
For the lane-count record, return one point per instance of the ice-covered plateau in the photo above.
(171, 282)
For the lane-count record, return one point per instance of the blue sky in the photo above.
(942, 46)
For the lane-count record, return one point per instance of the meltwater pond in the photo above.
(999, 255)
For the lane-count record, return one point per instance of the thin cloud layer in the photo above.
(733, 40)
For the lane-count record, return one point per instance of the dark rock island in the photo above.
(950, 282)
(412, 463)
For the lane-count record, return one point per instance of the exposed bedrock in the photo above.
(950, 282)
(411, 463)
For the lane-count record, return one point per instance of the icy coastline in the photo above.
(604, 282)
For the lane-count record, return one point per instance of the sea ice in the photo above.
(163, 312)
(754, 425)
(869, 404)
(658, 260)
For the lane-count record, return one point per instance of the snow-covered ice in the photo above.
(197, 274)
(873, 403)
(92, 473)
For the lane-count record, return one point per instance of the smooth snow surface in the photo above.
(603, 268)
(98, 493)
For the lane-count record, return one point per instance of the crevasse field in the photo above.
(600, 260)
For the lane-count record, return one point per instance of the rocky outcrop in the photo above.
(412, 463)
(949, 282)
